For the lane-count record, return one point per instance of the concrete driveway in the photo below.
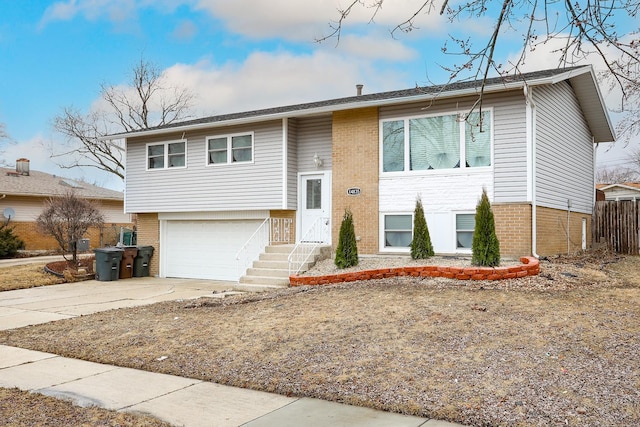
(48, 303)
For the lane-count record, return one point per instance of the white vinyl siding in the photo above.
(239, 186)
(564, 162)
(443, 194)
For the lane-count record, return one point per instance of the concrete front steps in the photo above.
(271, 270)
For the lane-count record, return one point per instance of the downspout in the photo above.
(531, 136)
(285, 162)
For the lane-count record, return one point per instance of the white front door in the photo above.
(315, 206)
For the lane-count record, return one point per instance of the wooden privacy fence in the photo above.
(616, 224)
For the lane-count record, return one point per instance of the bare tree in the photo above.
(634, 158)
(67, 218)
(147, 101)
(616, 175)
(3, 136)
(585, 29)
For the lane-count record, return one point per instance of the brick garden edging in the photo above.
(530, 267)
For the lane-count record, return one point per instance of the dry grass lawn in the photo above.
(558, 349)
(26, 276)
(23, 409)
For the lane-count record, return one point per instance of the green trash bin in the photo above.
(126, 264)
(142, 260)
(108, 263)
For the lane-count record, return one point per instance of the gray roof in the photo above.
(582, 79)
(40, 184)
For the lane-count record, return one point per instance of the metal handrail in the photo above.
(316, 236)
(271, 230)
(258, 241)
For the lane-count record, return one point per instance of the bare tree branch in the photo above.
(147, 101)
(588, 28)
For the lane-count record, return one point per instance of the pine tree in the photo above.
(485, 247)
(347, 251)
(421, 247)
(10, 244)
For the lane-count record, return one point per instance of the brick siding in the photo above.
(35, 240)
(288, 214)
(552, 231)
(355, 164)
(513, 228)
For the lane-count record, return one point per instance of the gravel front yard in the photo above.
(558, 349)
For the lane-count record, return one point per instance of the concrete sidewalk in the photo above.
(180, 401)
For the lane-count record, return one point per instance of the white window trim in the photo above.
(166, 155)
(463, 169)
(455, 231)
(229, 137)
(392, 249)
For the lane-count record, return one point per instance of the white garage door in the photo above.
(205, 249)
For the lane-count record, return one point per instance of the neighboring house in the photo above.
(623, 191)
(201, 188)
(23, 193)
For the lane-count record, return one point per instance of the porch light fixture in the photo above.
(317, 160)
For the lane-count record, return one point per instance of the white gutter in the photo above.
(531, 143)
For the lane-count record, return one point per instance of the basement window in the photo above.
(398, 231)
(465, 225)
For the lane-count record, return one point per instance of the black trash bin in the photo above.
(108, 263)
(126, 265)
(141, 262)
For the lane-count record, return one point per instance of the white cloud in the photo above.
(306, 20)
(185, 31)
(114, 10)
(277, 79)
(376, 47)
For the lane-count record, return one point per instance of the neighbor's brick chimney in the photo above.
(22, 166)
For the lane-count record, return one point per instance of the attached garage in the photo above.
(204, 249)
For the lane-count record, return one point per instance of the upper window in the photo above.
(230, 149)
(436, 142)
(167, 155)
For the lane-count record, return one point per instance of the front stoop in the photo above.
(271, 270)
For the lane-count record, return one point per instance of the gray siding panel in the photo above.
(314, 136)
(510, 137)
(564, 161)
(198, 187)
(292, 165)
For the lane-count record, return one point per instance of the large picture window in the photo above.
(230, 149)
(167, 155)
(437, 142)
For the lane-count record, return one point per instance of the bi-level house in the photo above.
(203, 188)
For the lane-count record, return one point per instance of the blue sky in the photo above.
(235, 55)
